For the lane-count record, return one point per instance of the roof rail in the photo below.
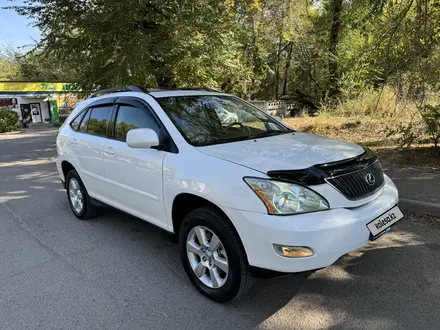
(117, 90)
(206, 89)
(146, 90)
(155, 89)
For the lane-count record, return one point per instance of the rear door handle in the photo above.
(74, 141)
(109, 151)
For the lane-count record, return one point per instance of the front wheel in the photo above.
(213, 256)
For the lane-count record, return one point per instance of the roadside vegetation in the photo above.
(394, 127)
(8, 120)
(374, 117)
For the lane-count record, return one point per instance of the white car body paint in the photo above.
(145, 182)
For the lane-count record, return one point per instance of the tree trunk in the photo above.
(336, 8)
(277, 67)
(286, 72)
(164, 76)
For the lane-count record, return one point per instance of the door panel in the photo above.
(89, 145)
(135, 175)
(90, 158)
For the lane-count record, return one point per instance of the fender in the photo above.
(201, 175)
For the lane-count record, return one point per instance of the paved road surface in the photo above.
(118, 272)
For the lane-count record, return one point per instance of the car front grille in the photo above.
(359, 184)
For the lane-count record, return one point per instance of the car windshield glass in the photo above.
(210, 119)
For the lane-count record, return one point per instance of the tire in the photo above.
(75, 184)
(225, 286)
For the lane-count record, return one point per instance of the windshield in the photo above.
(210, 119)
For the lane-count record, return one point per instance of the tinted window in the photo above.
(75, 123)
(83, 127)
(129, 118)
(98, 121)
(206, 119)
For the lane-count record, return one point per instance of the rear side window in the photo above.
(129, 118)
(97, 123)
(75, 123)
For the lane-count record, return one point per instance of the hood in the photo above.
(291, 151)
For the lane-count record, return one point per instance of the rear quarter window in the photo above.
(77, 121)
(84, 122)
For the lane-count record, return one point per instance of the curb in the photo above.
(415, 206)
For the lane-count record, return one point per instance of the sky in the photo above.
(15, 30)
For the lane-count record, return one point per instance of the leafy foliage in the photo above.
(8, 120)
(144, 42)
(8, 66)
(316, 52)
(431, 116)
(406, 135)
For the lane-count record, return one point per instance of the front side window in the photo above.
(210, 119)
(98, 121)
(129, 118)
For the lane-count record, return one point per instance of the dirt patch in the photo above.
(420, 155)
(358, 130)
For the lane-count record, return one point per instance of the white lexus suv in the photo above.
(243, 193)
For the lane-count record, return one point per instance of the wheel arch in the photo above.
(66, 167)
(184, 203)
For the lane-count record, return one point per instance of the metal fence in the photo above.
(282, 109)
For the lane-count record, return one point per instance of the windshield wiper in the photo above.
(245, 137)
(232, 139)
(269, 133)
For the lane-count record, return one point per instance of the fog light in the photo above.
(293, 251)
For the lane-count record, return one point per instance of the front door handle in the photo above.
(109, 151)
(74, 141)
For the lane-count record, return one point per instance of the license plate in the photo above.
(384, 221)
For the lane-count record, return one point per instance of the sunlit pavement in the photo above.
(116, 271)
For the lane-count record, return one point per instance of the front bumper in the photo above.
(330, 234)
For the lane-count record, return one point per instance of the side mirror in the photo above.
(142, 138)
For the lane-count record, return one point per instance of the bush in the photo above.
(8, 120)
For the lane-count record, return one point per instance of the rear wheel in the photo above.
(79, 199)
(213, 256)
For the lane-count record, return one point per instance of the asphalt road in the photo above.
(115, 271)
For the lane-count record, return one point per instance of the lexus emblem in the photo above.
(370, 179)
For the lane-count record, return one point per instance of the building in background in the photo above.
(39, 102)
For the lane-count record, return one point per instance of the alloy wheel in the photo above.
(207, 257)
(76, 196)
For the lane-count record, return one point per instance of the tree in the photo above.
(153, 42)
(313, 51)
(8, 66)
(335, 12)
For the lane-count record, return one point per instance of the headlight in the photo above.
(284, 198)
